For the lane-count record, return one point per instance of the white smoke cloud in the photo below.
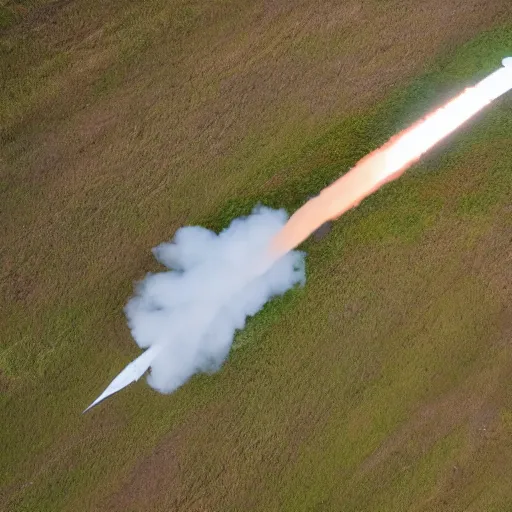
(216, 281)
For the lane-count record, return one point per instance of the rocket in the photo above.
(369, 174)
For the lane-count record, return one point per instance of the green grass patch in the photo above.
(7, 17)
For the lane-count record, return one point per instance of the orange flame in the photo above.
(389, 161)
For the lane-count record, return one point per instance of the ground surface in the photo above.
(384, 385)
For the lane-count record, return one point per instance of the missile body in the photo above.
(131, 373)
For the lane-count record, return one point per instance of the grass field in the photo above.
(383, 385)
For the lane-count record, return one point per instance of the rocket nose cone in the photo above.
(507, 62)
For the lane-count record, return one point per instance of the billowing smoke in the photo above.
(214, 283)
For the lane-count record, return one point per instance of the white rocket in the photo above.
(475, 98)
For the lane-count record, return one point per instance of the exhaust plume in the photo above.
(216, 281)
(391, 160)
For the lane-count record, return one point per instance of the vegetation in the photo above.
(383, 384)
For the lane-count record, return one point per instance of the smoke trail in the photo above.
(215, 283)
(391, 160)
